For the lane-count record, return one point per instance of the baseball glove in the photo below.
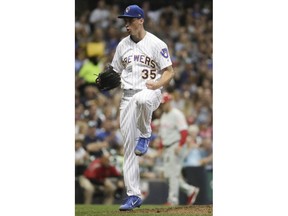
(108, 79)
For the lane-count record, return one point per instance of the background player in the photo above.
(173, 133)
(145, 66)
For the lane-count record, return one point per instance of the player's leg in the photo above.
(146, 101)
(190, 190)
(171, 167)
(131, 164)
(130, 135)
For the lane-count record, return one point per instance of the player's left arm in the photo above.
(183, 137)
(167, 75)
(182, 141)
(182, 127)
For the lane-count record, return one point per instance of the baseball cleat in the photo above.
(142, 146)
(130, 203)
(191, 199)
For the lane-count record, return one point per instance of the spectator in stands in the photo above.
(192, 153)
(100, 174)
(100, 15)
(113, 17)
(108, 133)
(82, 31)
(90, 69)
(81, 157)
(207, 159)
(92, 143)
(80, 56)
(112, 39)
(82, 26)
(198, 151)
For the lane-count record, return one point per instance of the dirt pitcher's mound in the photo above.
(179, 210)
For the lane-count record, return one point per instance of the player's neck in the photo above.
(138, 37)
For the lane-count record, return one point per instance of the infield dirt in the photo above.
(180, 210)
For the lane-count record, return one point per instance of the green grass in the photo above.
(108, 210)
(144, 210)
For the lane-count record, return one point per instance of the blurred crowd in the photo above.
(187, 30)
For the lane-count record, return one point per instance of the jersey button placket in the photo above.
(134, 65)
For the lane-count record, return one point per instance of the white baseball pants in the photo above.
(135, 119)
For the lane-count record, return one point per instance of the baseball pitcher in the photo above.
(144, 63)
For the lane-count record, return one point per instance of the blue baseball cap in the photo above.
(133, 11)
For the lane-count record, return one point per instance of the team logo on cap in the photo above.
(127, 9)
(164, 53)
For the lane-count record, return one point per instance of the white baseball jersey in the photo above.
(139, 62)
(171, 124)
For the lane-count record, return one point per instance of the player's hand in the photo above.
(152, 85)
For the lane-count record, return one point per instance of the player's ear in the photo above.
(141, 20)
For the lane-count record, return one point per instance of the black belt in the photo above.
(167, 146)
(130, 92)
